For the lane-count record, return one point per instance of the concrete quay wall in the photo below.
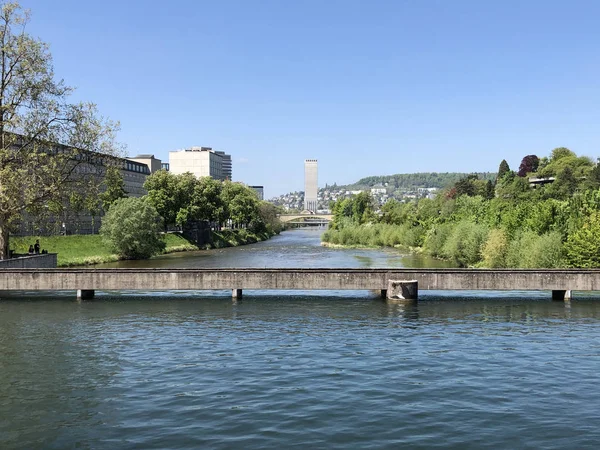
(45, 261)
(296, 279)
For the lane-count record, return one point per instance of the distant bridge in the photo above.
(306, 218)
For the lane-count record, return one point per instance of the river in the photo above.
(335, 370)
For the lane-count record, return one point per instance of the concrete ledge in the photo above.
(40, 261)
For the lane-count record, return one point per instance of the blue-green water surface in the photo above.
(340, 370)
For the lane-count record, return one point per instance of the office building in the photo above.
(260, 192)
(310, 185)
(202, 162)
(227, 168)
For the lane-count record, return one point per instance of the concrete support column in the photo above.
(561, 296)
(236, 293)
(403, 290)
(85, 294)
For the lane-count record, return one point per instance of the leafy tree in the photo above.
(593, 179)
(45, 141)
(114, 187)
(131, 227)
(583, 246)
(205, 204)
(465, 243)
(495, 248)
(529, 164)
(241, 203)
(564, 186)
(466, 186)
(268, 214)
(163, 194)
(561, 152)
(362, 208)
(503, 170)
(341, 209)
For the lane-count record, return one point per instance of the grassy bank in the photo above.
(81, 250)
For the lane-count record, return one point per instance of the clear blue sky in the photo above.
(366, 87)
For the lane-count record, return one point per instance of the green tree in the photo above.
(45, 141)
(163, 195)
(205, 204)
(503, 169)
(114, 187)
(593, 179)
(241, 203)
(362, 208)
(495, 248)
(131, 228)
(583, 246)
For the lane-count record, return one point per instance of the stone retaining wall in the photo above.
(42, 261)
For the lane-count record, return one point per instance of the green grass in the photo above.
(81, 250)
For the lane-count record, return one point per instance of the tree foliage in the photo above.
(45, 141)
(503, 169)
(114, 187)
(545, 225)
(529, 164)
(131, 228)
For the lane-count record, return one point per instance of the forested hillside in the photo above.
(415, 180)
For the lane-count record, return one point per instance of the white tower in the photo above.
(310, 185)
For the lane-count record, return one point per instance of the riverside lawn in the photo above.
(81, 250)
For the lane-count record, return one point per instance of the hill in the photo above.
(415, 180)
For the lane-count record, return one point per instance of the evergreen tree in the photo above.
(502, 170)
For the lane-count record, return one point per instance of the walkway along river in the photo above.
(191, 370)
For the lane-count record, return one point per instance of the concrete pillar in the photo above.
(85, 294)
(403, 290)
(561, 296)
(236, 293)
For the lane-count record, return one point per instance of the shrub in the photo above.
(465, 243)
(436, 238)
(132, 229)
(495, 249)
(529, 250)
(583, 246)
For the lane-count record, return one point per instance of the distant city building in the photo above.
(202, 162)
(164, 166)
(153, 164)
(310, 185)
(259, 191)
(227, 165)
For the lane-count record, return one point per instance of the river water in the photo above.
(328, 370)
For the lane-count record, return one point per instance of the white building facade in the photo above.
(201, 162)
(310, 185)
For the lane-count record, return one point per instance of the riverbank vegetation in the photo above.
(552, 220)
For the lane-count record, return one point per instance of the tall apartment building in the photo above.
(202, 162)
(310, 185)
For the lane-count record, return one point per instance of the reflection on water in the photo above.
(303, 371)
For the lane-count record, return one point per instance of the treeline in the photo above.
(416, 180)
(131, 226)
(554, 222)
(182, 198)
